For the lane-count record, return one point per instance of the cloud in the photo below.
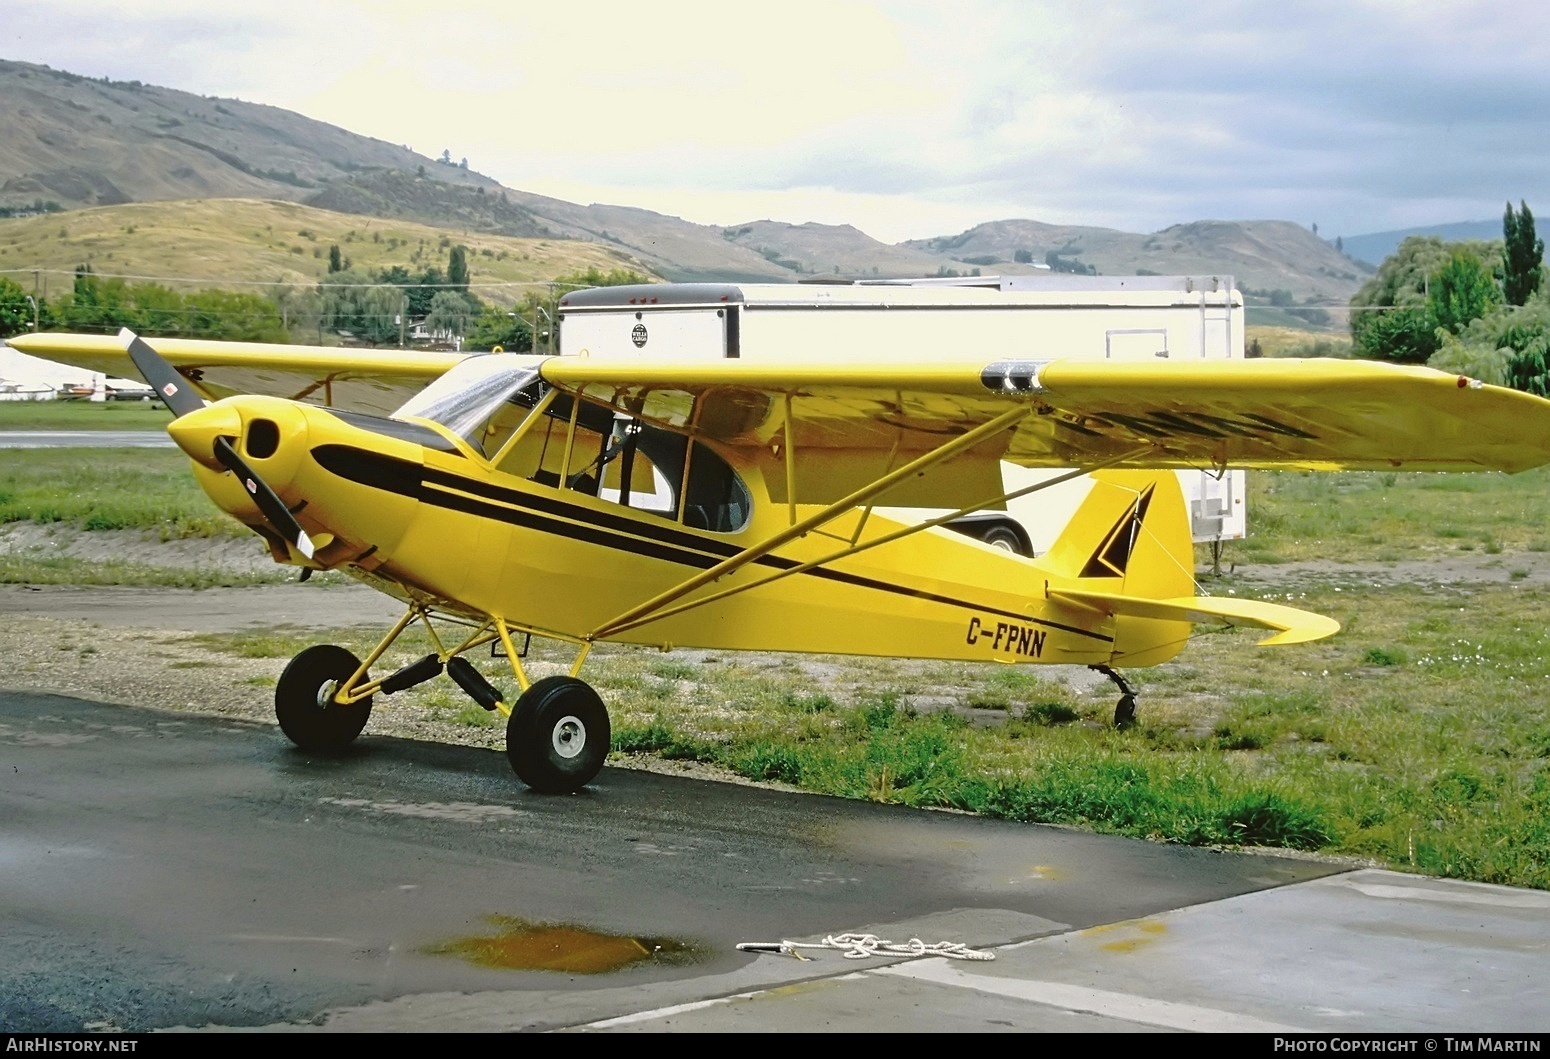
(1363, 114)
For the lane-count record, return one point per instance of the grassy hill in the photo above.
(81, 141)
(1375, 246)
(237, 242)
(81, 144)
(1262, 255)
(831, 250)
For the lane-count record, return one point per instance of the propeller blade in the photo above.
(268, 501)
(173, 389)
(182, 399)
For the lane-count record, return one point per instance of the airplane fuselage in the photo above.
(425, 515)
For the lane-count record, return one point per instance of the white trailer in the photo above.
(1042, 317)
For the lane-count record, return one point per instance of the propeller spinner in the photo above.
(183, 400)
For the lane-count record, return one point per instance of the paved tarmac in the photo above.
(84, 439)
(167, 871)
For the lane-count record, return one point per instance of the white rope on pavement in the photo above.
(864, 946)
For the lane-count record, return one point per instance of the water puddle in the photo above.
(517, 944)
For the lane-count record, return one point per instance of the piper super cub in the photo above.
(730, 505)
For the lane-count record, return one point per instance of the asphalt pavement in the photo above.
(84, 439)
(165, 871)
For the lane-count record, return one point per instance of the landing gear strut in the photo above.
(557, 734)
(1125, 711)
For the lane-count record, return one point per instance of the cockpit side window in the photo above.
(640, 466)
(491, 403)
(715, 498)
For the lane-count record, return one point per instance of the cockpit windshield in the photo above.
(592, 450)
(465, 398)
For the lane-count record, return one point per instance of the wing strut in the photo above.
(621, 625)
(865, 493)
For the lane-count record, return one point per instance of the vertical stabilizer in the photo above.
(1131, 538)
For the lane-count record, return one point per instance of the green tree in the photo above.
(592, 276)
(301, 310)
(15, 310)
(158, 310)
(419, 288)
(233, 316)
(356, 302)
(1527, 371)
(1523, 255)
(95, 304)
(335, 258)
(450, 313)
(1509, 346)
(457, 267)
(1403, 333)
(1391, 316)
(1462, 291)
(501, 327)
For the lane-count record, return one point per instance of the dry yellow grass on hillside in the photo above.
(1293, 342)
(236, 242)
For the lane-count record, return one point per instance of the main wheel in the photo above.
(304, 699)
(557, 736)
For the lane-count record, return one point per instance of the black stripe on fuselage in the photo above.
(531, 510)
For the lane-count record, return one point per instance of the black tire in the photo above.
(558, 735)
(303, 699)
(1125, 712)
(1004, 537)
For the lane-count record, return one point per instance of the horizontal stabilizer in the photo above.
(1291, 625)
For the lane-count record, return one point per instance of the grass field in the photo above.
(1384, 516)
(83, 415)
(1419, 737)
(106, 489)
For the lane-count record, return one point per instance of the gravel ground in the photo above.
(144, 646)
(151, 647)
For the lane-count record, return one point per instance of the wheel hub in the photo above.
(569, 736)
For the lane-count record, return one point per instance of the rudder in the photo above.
(1131, 537)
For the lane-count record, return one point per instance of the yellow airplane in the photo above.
(729, 505)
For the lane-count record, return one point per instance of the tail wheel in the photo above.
(304, 699)
(1125, 711)
(558, 735)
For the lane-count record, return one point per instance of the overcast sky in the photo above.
(905, 119)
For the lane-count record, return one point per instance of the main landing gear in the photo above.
(304, 699)
(1125, 711)
(557, 732)
(557, 735)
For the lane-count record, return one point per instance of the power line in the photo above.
(213, 282)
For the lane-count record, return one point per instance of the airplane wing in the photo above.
(1307, 414)
(835, 426)
(362, 380)
(848, 424)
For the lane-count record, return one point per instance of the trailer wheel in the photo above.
(1000, 535)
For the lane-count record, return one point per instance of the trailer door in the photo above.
(698, 333)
